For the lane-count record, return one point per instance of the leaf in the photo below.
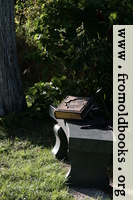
(56, 81)
(63, 77)
(112, 17)
(33, 90)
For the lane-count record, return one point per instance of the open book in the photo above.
(75, 107)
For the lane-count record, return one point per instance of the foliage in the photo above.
(75, 38)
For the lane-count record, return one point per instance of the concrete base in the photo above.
(88, 169)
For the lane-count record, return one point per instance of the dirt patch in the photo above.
(89, 194)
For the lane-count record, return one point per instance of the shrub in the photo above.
(75, 39)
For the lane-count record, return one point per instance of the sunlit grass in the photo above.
(30, 174)
(28, 170)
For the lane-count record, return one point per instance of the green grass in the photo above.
(28, 170)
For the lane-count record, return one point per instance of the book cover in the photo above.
(74, 108)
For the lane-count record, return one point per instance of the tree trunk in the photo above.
(12, 98)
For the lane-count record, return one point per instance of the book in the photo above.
(75, 107)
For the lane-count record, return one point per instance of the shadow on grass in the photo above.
(38, 131)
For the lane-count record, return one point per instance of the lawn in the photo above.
(28, 170)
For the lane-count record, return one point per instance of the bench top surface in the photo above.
(95, 133)
(73, 129)
(90, 140)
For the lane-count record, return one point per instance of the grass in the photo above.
(28, 170)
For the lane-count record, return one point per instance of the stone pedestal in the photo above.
(88, 150)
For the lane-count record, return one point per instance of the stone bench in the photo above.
(88, 150)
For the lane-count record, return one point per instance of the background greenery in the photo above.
(66, 46)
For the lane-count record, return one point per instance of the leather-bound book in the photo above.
(75, 107)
